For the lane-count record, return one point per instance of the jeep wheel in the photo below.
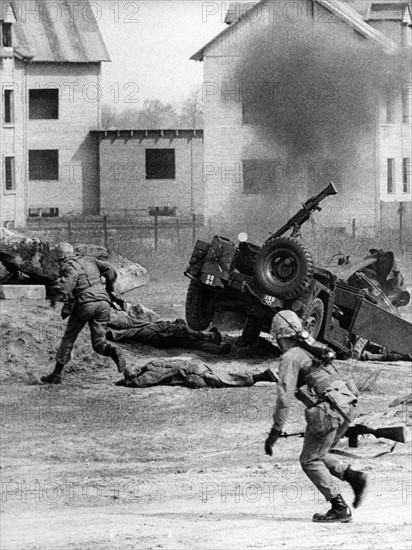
(314, 319)
(199, 307)
(283, 268)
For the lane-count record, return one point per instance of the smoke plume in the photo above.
(312, 91)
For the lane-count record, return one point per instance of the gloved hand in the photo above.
(271, 440)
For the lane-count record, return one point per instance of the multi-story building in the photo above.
(50, 74)
(250, 172)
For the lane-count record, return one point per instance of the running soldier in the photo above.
(86, 301)
(330, 406)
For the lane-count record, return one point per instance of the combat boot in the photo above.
(358, 481)
(55, 377)
(117, 356)
(51, 379)
(339, 513)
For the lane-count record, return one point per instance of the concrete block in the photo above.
(130, 277)
(20, 292)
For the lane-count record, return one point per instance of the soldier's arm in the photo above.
(68, 279)
(108, 272)
(288, 377)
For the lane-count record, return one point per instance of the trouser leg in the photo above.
(320, 466)
(98, 325)
(74, 326)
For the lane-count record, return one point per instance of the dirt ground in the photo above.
(90, 465)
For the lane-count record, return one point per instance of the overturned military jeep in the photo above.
(257, 282)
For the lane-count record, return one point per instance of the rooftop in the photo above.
(61, 31)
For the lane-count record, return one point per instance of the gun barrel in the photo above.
(307, 209)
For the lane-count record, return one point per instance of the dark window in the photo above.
(260, 176)
(43, 212)
(391, 175)
(44, 164)
(406, 174)
(160, 164)
(43, 104)
(162, 210)
(8, 106)
(6, 32)
(9, 173)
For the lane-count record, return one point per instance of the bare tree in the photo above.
(155, 114)
(192, 110)
(108, 117)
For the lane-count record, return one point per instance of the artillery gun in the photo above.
(258, 281)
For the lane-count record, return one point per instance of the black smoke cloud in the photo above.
(311, 89)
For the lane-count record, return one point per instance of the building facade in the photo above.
(247, 176)
(144, 169)
(50, 67)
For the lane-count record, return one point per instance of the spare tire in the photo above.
(283, 268)
(314, 320)
(199, 306)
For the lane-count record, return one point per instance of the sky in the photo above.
(150, 43)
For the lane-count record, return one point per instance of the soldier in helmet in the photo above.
(330, 405)
(80, 279)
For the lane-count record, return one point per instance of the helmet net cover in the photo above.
(285, 324)
(64, 251)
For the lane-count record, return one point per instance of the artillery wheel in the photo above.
(314, 319)
(283, 268)
(199, 307)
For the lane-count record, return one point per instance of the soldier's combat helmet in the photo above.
(285, 324)
(64, 251)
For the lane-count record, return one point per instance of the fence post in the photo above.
(156, 226)
(105, 234)
(193, 229)
(69, 231)
(178, 236)
(400, 212)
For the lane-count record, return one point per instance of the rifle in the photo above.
(394, 433)
(310, 206)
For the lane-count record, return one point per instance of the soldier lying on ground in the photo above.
(162, 334)
(188, 372)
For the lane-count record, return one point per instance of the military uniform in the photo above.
(81, 282)
(325, 426)
(162, 334)
(330, 403)
(187, 372)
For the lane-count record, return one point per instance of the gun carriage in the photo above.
(258, 281)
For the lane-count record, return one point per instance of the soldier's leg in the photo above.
(312, 460)
(63, 355)
(98, 325)
(314, 450)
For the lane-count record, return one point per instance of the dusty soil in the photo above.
(89, 465)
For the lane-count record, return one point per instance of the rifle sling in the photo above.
(353, 455)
